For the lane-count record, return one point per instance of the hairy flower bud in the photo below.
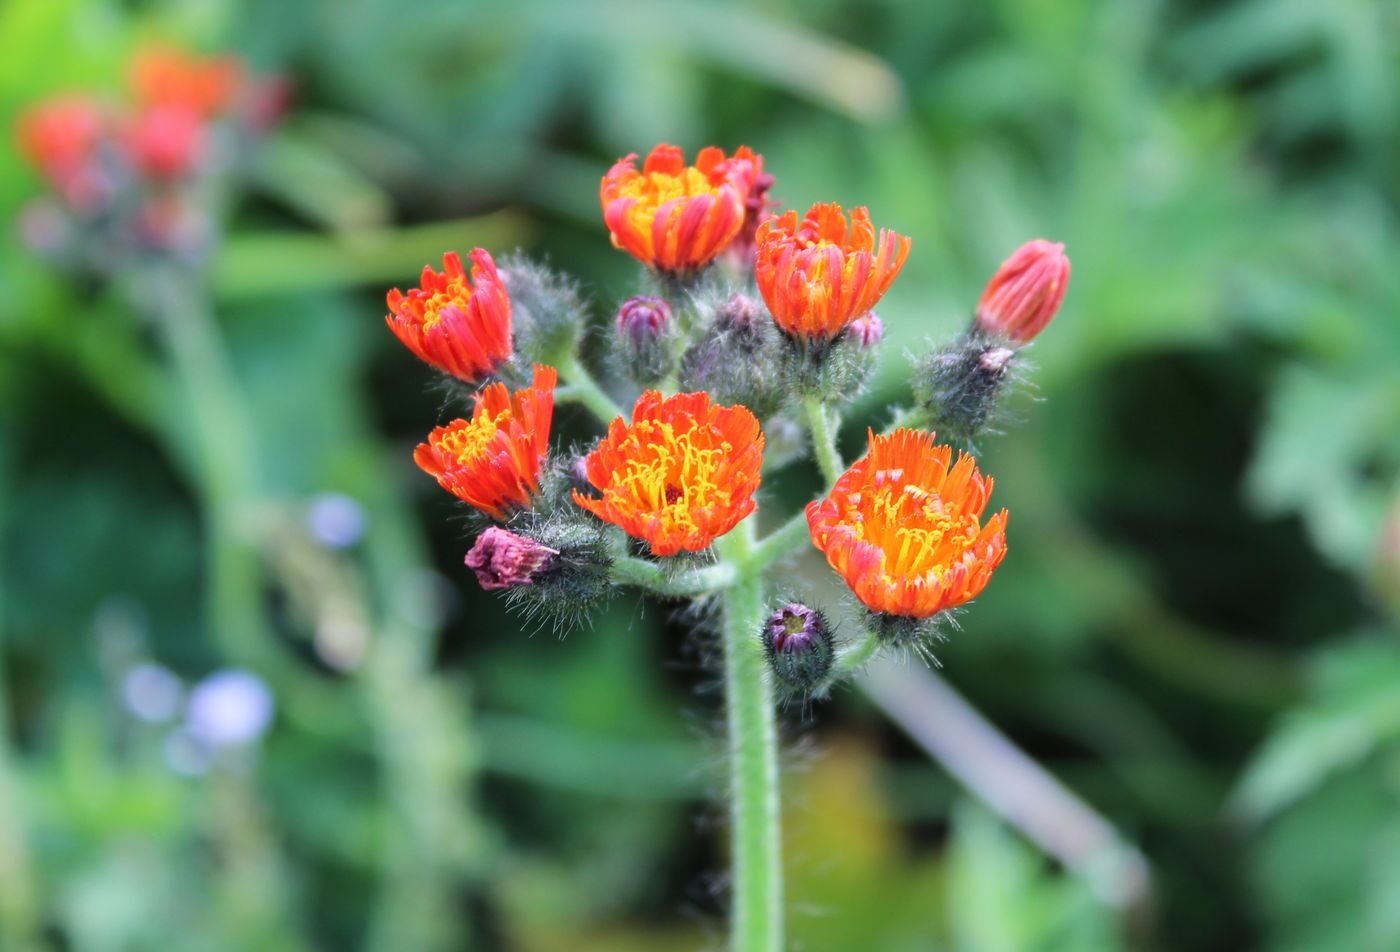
(740, 313)
(868, 329)
(645, 338)
(960, 387)
(548, 312)
(798, 643)
(502, 559)
(1025, 292)
(641, 320)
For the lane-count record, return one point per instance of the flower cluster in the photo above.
(714, 356)
(123, 173)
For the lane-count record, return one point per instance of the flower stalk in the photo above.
(755, 824)
(582, 388)
(823, 429)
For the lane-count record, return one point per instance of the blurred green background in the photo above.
(1195, 629)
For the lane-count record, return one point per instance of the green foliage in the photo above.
(1210, 438)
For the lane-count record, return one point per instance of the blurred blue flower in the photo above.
(229, 708)
(335, 520)
(152, 693)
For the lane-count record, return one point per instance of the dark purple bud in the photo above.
(502, 559)
(641, 320)
(868, 329)
(798, 643)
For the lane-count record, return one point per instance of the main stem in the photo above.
(755, 817)
(820, 423)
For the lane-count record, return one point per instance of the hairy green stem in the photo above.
(684, 584)
(582, 388)
(855, 654)
(755, 824)
(823, 429)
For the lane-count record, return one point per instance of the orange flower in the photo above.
(905, 531)
(819, 274)
(165, 141)
(169, 77)
(493, 461)
(683, 474)
(59, 135)
(459, 327)
(677, 217)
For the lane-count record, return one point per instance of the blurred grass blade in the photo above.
(808, 65)
(316, 183)
(251, 264)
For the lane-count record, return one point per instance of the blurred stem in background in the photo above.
(19, 899)
(424, 773)
(1006, 779)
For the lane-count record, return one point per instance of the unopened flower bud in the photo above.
(644, 338)
(578, 470)
(740, 313)
(799, 647)
(641, 320)
(960, 387)
(868, 329)
(1025, 292)
(502, 559)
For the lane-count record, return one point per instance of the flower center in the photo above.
(468, 443)
(919, 531)
(670, 473)
(455, 295)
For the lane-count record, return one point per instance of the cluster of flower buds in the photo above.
(744, 322)
(126, 177)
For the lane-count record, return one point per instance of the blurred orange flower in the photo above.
(818, 273)
(1026, 291)
(683, 474)
(165, 141)
(493, 460)
(459, 327)
(677, 217)
(58, 135)
(170, 77)
(905, 531)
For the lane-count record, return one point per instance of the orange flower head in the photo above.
(905, 530)
(170, 77)
(493, 460)
(58, 136)
(677, 217)
(459, 326)
(1026, 291)
(165, 141)
(819, 273)
(683, 474)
